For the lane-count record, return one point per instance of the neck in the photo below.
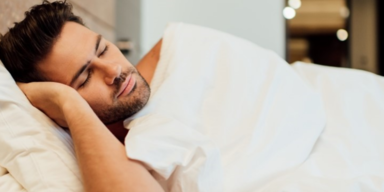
(118, 130)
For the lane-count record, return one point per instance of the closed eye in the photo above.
(104, 51)
(90, 72)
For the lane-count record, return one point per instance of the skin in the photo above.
(78, 46)
(101, 157)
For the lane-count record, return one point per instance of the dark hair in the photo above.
(30, 40)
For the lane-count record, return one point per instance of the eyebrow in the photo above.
(85, 66)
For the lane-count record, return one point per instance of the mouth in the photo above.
(127, 86)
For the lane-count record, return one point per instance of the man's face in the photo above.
(96, 68)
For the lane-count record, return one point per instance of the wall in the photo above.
(259, 21)
(363, 49)
(99, 15)
(128, 26)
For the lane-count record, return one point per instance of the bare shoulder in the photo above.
(147, 65)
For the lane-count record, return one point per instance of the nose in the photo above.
(111, 71)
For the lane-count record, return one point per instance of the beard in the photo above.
(127, 106)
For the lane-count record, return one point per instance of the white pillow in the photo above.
(8, 183)
(36, 152)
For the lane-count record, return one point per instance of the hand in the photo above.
(50, 98)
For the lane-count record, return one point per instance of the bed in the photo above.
(300, 127)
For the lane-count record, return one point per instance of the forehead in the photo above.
(73, 48)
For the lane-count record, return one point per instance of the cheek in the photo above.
(97, 96)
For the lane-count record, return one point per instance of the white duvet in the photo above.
(226, 115)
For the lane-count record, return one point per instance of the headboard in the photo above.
(98, 15)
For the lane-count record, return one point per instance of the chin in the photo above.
(127, 106)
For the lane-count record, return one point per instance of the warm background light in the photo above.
(289, 13)
(342, 34)
(344, 12)
(294, 3)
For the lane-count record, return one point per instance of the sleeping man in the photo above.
(205, 111)
(51, 44)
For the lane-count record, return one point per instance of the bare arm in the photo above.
(101, 157)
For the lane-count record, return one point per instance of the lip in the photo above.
(127, 86)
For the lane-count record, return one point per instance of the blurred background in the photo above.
(99, 15)
(341, 33)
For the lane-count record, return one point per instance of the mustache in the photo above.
(118, 81)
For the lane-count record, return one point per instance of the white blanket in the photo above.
(224, 115)
(349, 155)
